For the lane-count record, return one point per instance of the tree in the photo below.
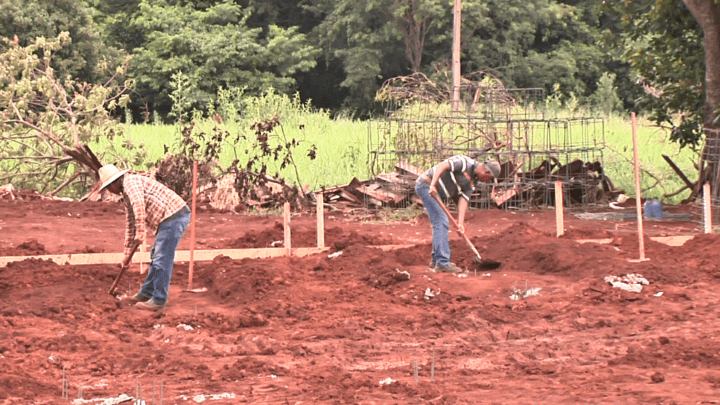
(707, 14)
(213, 45)
(46, 120)
(534, 43)
(538, 43)
(674, 46)
(29, 19)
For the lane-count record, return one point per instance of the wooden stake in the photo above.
(286, 208)
(320, 219)
(191, 263)
(707, 207)
(559, 220)
(638, 191)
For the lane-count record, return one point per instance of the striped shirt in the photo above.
(459, 179)
(146, 202)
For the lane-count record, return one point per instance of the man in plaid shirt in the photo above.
(453, 177)
(148, 202)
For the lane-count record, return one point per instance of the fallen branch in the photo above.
(679, 172)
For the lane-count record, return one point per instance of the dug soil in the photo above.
(359, 324)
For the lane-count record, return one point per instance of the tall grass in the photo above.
(342, 146)
(657, 177)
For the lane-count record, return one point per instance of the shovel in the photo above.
(484, 263)
(125, 265)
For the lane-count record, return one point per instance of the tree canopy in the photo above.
(212, 44)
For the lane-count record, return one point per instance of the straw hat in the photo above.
(110, 173)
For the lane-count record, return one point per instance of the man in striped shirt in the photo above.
(453, 177)
(148, 202)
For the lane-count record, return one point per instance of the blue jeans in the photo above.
(440, 225)
(162, 256)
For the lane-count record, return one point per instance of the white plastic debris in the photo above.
(405, 275)
(213, 397)
(105, 401)
(428, 293)
(387, 381)
(659, 293)
(630, 282)
(186, 327)
(334, 255)
(277, 243)
(620, 199)
(518, 295)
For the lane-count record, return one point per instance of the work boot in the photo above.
(134, 299)
(433, 264)
(447, 268)
(150, 305)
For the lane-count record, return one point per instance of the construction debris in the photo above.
(583, 183)
(9, 192)
(630, 282)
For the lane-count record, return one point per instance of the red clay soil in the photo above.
(366, 326)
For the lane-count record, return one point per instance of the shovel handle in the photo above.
(454, 222)
(124, 266)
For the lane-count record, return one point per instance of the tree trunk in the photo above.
(415, 32)
(707, 14)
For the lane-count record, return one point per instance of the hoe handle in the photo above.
(124, 266)
(454, 222)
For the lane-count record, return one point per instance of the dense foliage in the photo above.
(336, 53)
(663, 44)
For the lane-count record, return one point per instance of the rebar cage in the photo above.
(491, 122)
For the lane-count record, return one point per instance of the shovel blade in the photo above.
(487, 263)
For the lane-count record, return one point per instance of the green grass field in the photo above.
(341, 148)
(657, 177)
(342, 152)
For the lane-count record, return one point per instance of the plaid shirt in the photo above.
(146, 201)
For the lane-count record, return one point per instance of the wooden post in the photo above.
(320, 219)
(638, 191)
(559, 220)
(286, 208)
(707, 207)
(191, 263)
(457, 22)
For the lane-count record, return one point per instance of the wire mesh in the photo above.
(501, 124)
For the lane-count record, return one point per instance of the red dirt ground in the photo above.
(353, 328)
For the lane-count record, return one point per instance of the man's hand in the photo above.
(461, 229)
(433, 191)
(126, 260)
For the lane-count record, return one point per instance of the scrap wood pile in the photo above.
(9, 192)
(583, 182)
(236, 191)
